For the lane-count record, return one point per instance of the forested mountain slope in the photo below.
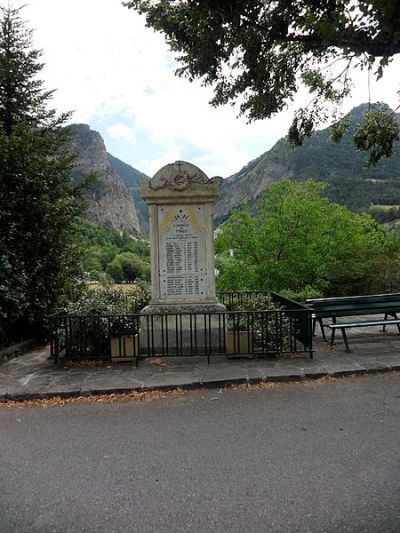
(350, 181)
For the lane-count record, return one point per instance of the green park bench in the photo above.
(348, 306)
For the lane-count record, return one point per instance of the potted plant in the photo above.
(124, 339)
(257, 326)
(239, 337)
(239, 340)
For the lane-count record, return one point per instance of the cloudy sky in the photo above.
(118, 77)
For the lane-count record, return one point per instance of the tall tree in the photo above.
(296, 238)
(38, 206)
(258, 52)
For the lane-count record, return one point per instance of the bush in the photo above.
(105, 312)
(270, 326)
(139, 298)
(103, 301)
(110, 301)
(258, 302)
(302, 295)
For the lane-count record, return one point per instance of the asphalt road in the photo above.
(321, 458)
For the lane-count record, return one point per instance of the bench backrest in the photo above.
(367, 298)
(355, 305)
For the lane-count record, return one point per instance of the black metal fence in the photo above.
(304, 320)
(132, 337)
(235, 299)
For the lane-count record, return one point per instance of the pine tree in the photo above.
(39, 260)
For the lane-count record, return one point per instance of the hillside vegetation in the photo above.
(112, 255)
(299, 241)
(350, 181)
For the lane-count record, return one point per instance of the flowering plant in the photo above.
(121, 326)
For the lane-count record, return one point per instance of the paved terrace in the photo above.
(34, 376)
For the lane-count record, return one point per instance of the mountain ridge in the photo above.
(130, 176)
(109, 202)
(350, 182)
(114, 199)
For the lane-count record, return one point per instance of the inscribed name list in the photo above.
(182, 253)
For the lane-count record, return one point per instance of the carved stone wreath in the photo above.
(180, 176)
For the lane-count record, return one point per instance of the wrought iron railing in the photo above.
(235, 299)
(136, 336)
(304, 320)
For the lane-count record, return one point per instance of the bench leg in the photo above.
(343, 330)
(384, 325)
(398, 325)
(333, 332)
(332, 341)
(321, 325)
(394, 315)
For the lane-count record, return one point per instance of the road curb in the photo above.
(219, 383)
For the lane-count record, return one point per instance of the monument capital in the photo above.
(180, 179)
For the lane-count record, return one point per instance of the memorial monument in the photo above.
(181, 199)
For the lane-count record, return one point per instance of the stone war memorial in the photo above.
(184, 317)
(183, 310)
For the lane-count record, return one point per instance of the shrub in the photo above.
(102, 301)
(271, 327)
(114, 309)
(124, 325)
(302, 295)
(139, 297)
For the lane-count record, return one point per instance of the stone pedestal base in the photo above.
(195, 329)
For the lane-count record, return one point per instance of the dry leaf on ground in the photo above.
(158, 362)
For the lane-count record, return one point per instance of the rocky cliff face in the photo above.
(109, 201)
(130, 177)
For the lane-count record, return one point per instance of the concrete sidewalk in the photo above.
(34, 376)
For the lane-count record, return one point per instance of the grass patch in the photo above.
(126, 287)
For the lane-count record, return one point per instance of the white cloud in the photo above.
(123, 133)
(104, 62)
(109, 67)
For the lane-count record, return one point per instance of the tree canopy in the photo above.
(259, 52)
(296, 238)
(113, 255)
(39, 258)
